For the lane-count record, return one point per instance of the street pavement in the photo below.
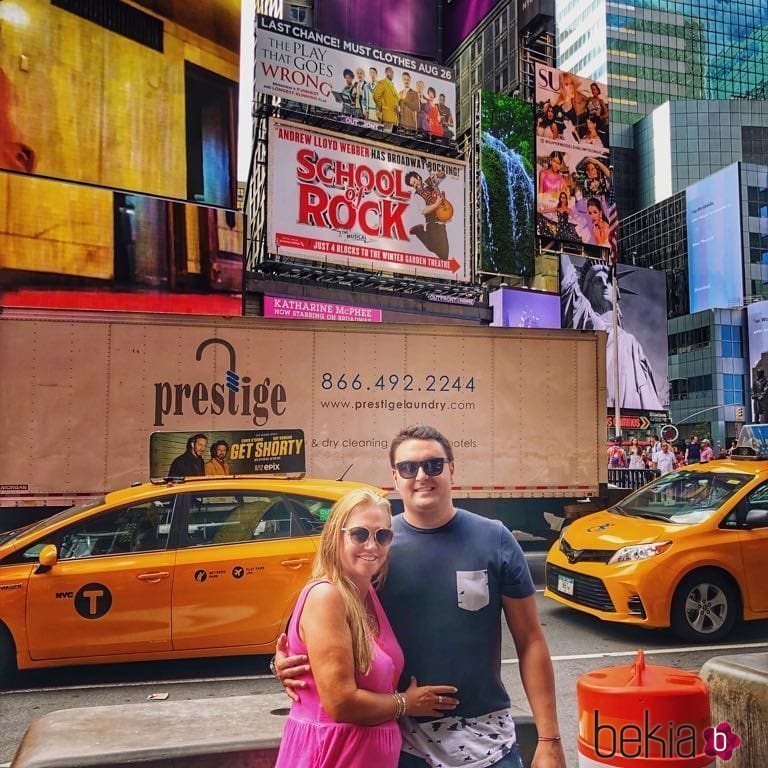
(578, 644)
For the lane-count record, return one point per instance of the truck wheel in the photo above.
(7, 657)
(704, 607)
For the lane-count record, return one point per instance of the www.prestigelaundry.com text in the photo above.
(398, 405)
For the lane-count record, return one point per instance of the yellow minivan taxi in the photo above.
(206, 567)
(687, 551)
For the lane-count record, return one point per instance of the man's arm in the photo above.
(537, 676)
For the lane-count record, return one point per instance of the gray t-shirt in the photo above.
(443, 596)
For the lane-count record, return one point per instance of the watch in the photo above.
(272, 667)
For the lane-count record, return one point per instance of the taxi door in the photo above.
(110, 591)
(754, 552)
(246, 558)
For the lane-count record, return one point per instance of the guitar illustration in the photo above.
(444, 210)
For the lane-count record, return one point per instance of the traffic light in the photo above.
(740, 414)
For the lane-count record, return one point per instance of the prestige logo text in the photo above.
(235, 395)
(660, 740)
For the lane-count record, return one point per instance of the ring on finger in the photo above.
(439, 699)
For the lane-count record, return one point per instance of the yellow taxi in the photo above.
(202, 567)
(687, 551)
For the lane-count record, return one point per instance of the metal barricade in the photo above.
(630, 478)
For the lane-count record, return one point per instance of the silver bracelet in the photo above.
(272, 667)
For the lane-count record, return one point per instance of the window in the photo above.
(298, 14)
(142, 527)
(232, 518)
(731, 337)
(733, 389)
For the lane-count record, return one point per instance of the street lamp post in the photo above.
(616, 400)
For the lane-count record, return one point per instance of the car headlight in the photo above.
(640, 552)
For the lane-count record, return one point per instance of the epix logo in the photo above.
(236, 395)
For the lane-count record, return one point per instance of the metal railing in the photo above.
(630, 478)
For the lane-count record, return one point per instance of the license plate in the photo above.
(565, 585)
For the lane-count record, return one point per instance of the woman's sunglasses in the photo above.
(383, 536)
(409, 469)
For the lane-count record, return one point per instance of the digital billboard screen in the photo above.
(713, 216)
(524, 309)
(586, 297)
(409, 26)
(73, 246)
(575, 200)
(354, 202)
(757, 328)
(461, 17)
(507, 199)
(107, 94)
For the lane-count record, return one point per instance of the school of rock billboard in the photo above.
(586, 300)
(367, 86)
(575, 200)
(354, 202)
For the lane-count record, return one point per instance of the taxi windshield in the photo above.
(683, 497)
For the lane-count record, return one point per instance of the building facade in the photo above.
(709, 369)
(656, 51)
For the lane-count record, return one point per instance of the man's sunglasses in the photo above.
(409, 469)
(383, 536)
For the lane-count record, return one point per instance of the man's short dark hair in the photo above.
(420, 432)
(192, 440)
(216, 445)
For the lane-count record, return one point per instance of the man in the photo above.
(190, 463)
(373, 112)
(760, 396)
(387, 100)
(693, 451)
(452, 575)
(409, 104)
(587, 301)
(707, 454)
(347, 92)
(665, 460)
(446, 118)
(218, 465)
(617, 456)
(434, 236)
(654, 447)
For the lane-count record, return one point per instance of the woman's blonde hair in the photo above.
(328, 566)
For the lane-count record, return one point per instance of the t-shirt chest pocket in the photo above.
(472, 589)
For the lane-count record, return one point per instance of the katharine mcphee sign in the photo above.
(366, 205)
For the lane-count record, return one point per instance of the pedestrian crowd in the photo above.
(661, 455)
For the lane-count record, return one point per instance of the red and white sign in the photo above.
(310, 309)
(362, 204)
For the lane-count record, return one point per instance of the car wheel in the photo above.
(704, 607)
(7, 657)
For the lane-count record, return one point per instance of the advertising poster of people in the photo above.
(575, 201)
(215, 453)
(361, 204)
(757, 324)
(507, 185)
(586, 297)
(368, 86)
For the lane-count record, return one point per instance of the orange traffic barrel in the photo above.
(642, 716)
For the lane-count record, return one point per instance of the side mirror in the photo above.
(756, 518)
(47, 558)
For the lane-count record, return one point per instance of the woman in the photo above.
(435, 126)
(596, 106)
(636, 457)
(591, 136)
(566, 230)
(597, 178)
(349, 709)
(546, 126)
(600, 227)
(551, 178)
(569, 105)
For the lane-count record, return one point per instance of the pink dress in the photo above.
(312, 740)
